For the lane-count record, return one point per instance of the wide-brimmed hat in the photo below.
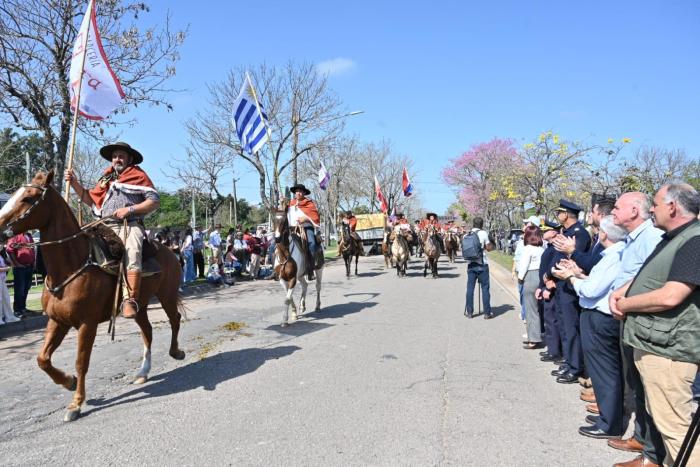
(300, 187)
(428, 214)
(106, 152)
(348, 213)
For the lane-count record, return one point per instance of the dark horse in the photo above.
(290, 266)
(82, 294)
(431, 248)
(451, 240)
(348, 247)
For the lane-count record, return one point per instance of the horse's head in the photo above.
(280, 224)
(24, 210)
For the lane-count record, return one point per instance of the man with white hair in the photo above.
(661, 308)
(632, 212)
(600, 332)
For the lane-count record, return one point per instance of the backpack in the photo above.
(472, 250)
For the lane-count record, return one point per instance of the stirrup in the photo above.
(134, 303)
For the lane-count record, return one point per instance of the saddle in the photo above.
(319, 260)
(107, 250)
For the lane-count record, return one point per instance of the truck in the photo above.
(370, 228)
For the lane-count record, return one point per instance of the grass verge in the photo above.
(501, 258)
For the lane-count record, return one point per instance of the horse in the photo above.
(290, 266)
(348, 247)
(79, 294)
(431, 248)
(451, 245)
(399, 252)
(386, 249)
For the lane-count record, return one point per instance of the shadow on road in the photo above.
(340, 310)
(501, 310)
(207, 374)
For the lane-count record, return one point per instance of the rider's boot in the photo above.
(310, 265)
(130, 306)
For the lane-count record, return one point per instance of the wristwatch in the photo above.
(131, 210)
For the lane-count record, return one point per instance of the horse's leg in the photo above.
(357, 258)
(55, 333)
(147, 336)
(170, 306)
(302, 300)
(425, 266)
(319, 276)
(348, 262)
(287, 301)
(86, 339)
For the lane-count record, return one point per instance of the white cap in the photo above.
(534, 220)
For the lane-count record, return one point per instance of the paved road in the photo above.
(388, 373)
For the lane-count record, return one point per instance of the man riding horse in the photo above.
(303, 213)
(351, 221)
(124, 191)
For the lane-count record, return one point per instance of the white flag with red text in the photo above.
(100, 92)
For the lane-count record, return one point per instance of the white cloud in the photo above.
(335, 66)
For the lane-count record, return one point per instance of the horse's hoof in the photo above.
(73, 385)
(71, 415)
(179, 355)
(140, 380)
(318, 308)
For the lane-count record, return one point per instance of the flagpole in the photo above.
(267, 130)
(74, 128)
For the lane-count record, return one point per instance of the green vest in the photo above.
(674, 333)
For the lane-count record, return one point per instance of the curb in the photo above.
(27, 324)
(502, 276)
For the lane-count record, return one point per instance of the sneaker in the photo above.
(10, 319)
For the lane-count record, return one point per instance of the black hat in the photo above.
(106, 152)
(399, 215)
(568, 206)
(348, 213)
(300, 187)
(428, 214)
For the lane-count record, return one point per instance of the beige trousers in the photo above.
(668, 391)
(134, 243)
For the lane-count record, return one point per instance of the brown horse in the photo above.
(290, 266)
(451, 245)
(386, 249)
(400, 252)
(348, 247)
(78, 294)
(431, 248)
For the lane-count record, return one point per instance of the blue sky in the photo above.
(436, 78)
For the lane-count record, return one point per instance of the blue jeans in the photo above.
(522, 301)
(190, 272)
(22, 284)
(311, 239)
(481, 272)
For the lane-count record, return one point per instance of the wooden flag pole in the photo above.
(74, 128)
(267, 130)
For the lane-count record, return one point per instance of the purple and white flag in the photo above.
(323, 177)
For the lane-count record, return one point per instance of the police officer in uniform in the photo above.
(566, 300)
(545, 293)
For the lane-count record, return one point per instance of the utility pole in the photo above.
(29, 168)
(295, 143)
(235, 204)
(194, 214)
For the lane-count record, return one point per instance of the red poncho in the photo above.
(131, 180)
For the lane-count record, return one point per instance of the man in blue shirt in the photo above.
(600, 332)
(632, 212)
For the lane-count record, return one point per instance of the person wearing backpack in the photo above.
(474, 243)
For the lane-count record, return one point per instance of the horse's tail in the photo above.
(181, 307)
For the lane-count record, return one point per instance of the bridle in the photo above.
(8, 232)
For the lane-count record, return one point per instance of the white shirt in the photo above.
(484, 239)
(529, 260)
(215, 239)
(518, 252)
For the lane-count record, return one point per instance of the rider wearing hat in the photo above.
(304, 213)
(124, 191)
(430, 219)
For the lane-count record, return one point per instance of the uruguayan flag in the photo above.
(248, 119)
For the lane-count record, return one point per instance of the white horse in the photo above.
(400, 251)
(290, 267)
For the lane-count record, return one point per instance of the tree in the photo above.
(304, 116)
(653, 167)
(486, 175)
(551, 165)
(36, 42)
(13, 151)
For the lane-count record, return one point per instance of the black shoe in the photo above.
(549, 358)
(595, 432)
(561, 371)
(568, 378)
(468, 315)
(544, 354)
(592, 419)
(559, 360)
(488, 316)
(311, 276)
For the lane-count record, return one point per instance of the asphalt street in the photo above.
(389, 372)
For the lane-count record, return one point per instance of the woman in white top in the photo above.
(6, 314)
(529, 276)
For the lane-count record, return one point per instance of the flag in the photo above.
(249, 120)
(406, 183)
(100, 92)
(323, 177)
(392, 217)
(380, 196)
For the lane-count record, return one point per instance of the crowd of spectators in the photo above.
(617, 306)
(240, 254)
